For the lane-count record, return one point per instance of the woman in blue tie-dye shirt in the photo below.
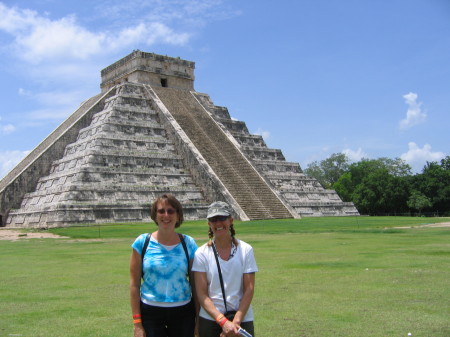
(163, 305)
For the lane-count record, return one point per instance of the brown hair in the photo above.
(172, 201)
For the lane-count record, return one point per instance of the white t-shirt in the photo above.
(243, 262)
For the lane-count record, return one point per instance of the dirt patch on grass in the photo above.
(434, 225)
(12, 235)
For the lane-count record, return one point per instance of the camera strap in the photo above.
(216, 255)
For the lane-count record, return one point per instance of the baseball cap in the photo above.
(218, 208)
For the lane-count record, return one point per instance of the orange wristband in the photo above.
(218, 318)
(223, 321)
(135, 321)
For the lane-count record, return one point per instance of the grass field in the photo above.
(353, 276)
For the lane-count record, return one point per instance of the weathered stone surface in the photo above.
(145, 136)
(149, 68)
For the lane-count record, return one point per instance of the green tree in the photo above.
(434, 183)
(445, 163)
(376, 186)
(345, 186)
(328, 171)
(418, 201)
(396, 167)
(381, 193)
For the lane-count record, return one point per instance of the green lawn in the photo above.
(354, 276)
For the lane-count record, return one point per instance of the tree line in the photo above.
(386, 186)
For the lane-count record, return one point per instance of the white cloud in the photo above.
(264, 134)
(148, 34)
(9, 159)
(414, 115)
(24, 92)
(6, 128)
(355, 156)
(38, 38)
(192, 13)
(417, 157)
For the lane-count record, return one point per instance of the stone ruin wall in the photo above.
(24, 177)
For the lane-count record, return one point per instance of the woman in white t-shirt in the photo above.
(237, 270)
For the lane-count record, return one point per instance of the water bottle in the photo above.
(244, 333)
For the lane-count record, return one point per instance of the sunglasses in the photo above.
(218, 218)
(169, 211)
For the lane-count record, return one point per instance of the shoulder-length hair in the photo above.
(172, 201)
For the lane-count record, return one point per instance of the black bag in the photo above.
(230, 315)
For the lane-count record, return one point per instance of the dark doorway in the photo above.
(164, 82)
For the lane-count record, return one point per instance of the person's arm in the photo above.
(201, 286)
(135, 290)
(249, 289)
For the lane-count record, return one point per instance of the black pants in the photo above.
(208, 328)
(168, 322)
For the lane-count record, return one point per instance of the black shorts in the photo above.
(168, 322)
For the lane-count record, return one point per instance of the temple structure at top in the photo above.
(147, 133)
(152, 69)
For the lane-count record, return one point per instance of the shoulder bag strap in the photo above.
(144, 249)
(220, 275)
(181, 236)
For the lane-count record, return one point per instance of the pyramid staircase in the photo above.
(240, 178)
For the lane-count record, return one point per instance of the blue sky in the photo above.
(364, 77)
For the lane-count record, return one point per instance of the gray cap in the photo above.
(218, 208)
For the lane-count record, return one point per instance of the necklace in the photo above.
(225, 251)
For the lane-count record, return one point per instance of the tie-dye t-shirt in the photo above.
(165, 271)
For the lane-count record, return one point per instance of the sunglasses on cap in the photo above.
(218, 218)
(169, 211)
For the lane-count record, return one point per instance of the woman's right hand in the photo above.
(230, 329)
(139, 330)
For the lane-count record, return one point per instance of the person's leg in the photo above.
(181, 321)
(249, 327)
(208, 328)
(153, 320)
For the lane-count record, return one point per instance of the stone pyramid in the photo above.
(147, 133)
